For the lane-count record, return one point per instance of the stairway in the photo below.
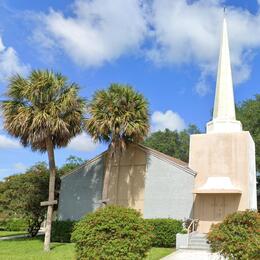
(198, 241)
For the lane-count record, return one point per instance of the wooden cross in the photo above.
(49, 203)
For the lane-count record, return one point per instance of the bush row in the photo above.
(163, 231)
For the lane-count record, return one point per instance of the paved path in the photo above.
(187, 254)
(19, 236)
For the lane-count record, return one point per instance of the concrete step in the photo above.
(198, 243)
(198, 240)
(199, 236)
(197, 247)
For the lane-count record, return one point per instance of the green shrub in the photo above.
(15, 224)
(61, 231)
(2, 225)
(112, 233)
(165, 231)
(238, 236)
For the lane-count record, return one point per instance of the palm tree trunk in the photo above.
(52, 168)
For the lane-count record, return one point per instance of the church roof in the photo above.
(176, 162)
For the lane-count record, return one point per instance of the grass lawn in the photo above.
(11, 233)
(32, 249)
(157, 253)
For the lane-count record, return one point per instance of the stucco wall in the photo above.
(223, 155)
(168, 190)
(81, 190)
(127, 180)
(252, 175)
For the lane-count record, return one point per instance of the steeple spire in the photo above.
(224, 116)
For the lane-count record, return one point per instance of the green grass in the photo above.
(11, 233)
(157, 253)
(32, 249)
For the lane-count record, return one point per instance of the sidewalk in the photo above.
(186, 254)
(20, 236)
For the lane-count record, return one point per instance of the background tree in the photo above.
(118, 116)
(44, 111)
(172, 143)
(248, 112)
(72, 162)
(21, 196)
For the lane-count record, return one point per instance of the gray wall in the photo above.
(81, 190)
(168, 190)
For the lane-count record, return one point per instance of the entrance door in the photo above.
(212, 208)
(220, 206)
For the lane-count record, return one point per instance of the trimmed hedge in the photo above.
(238, 236)
(61, 231)
(112, 233)
(165, 231)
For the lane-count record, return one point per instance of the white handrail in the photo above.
(191, 227)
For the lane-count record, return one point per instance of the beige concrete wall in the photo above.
(221, 155)
(127, 181)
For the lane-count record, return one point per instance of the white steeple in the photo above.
(224, 116)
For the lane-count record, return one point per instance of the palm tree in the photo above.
(44, 111)
(118, 116)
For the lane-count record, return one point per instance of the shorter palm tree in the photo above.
(118, 116)
(44, 111)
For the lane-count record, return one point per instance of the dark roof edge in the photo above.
(167, 158)
(156, 153)
(84, 164)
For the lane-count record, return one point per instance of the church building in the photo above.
(219, 179)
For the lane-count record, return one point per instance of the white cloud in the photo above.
(179, 32)
(10, 63)
(82, 143)
(16, 168)
(98, 32)
(169, 119)
(6, 143)
(188, 32)
(19, 167)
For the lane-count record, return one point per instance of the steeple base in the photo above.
(224, 126)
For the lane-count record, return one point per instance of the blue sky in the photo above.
(167, 50)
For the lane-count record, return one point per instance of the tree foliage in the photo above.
(118, 115)
(248, 112)
(72, 162)
(172, 143)
(20, 196)
(41, 106)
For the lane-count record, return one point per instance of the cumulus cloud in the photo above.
(8, 143)
(82, 143)
(98, 32)
(178, 32)
(10, 62)
(169, 119)
(188, 32)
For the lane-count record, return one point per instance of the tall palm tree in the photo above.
(118, 116)
(44, 111)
